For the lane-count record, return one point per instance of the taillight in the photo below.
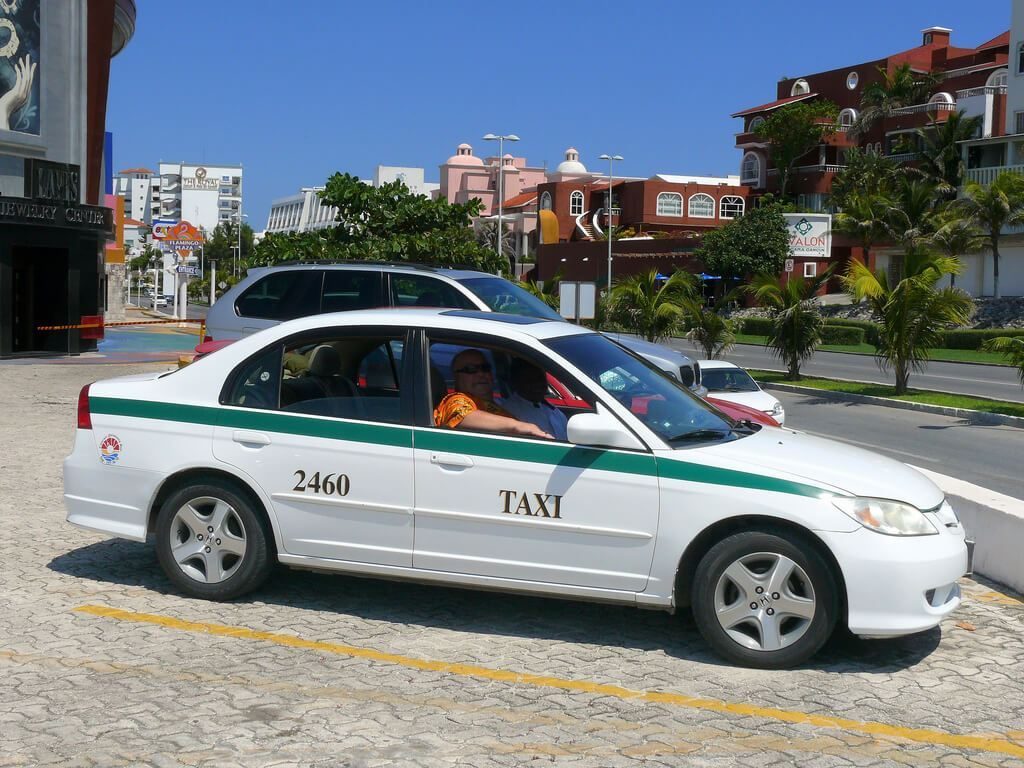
(84, 417)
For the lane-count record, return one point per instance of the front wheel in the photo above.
(763, 600)
(212, 543)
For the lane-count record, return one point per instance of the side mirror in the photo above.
(601, 429)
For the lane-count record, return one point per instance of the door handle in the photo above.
(252, 439)
(451, 460)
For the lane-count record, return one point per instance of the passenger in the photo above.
(472, 406)
(527, 403)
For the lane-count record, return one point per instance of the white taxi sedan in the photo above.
(314, 444)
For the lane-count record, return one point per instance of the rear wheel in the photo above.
(763, 600)
(212, 543)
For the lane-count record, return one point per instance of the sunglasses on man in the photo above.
(471, 369)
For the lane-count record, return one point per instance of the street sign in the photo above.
(188, 270)
(577, 300)
(789, 265)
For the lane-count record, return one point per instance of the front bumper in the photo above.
(898, 585)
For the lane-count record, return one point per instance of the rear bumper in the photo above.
(109, 498)
(899, 585)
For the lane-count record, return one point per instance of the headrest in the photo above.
(324, 361)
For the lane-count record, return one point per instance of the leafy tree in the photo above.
(913, 312)
(146, 257)
(654, 311)
(956, 237)
(794, 130)
(941, 160)
(618, 233)
(714, 334)
(756, 242)
(902, 87)
(279, 247)
(991, 208)
(796, 320)
(1012, 348)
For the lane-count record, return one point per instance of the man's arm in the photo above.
(491, 422)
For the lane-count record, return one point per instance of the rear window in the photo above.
(347, 289)
(502, 296)
(282, 295)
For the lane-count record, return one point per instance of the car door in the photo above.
(332, 449)
(543, 511)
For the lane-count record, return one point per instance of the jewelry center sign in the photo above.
(810, 235)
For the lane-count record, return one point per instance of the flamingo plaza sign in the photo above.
(182, 238)
(810, 235)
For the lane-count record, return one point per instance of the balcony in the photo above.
(986, 176)
(937, 106)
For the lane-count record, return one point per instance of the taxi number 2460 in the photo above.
(331, 484)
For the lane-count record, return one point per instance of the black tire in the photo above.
(752, 641)
(240, 546)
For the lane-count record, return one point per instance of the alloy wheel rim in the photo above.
(764, 601)
(208, 540)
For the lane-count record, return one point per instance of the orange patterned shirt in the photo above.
(455, 407)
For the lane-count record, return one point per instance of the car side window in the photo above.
(282, 295)
(346, 289)
(424, 291)
(256, 383)
(347, 377)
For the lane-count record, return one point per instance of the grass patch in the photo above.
(882, 390)
(939, 355)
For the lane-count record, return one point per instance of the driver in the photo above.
(528, 403)
(472, 406)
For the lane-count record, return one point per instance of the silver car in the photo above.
(270, 295)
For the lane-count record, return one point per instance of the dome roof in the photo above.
(464, 156)
(571, 164)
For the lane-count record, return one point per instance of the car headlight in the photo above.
(893, 518)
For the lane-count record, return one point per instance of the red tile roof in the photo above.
(137, 170)
(995, 42)
(134, 223)
(774, 104)
(519, 200)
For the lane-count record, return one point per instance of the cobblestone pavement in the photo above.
(83, 689)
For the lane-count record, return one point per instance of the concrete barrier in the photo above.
(995, 521)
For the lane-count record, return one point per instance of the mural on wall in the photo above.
(19, 65)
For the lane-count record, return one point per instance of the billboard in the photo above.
(20, 66)
(810, 235)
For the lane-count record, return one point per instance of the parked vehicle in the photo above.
(314, 444)
(270, 295)
(727, 381)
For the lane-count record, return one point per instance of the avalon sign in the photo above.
(810, 235)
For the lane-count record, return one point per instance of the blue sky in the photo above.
(297, 90)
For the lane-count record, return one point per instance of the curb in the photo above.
(872, 355)
(969, 415)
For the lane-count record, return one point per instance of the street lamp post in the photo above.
(611, 159)
(501, 182)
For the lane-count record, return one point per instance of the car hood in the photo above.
(760, 401)
(820, 461)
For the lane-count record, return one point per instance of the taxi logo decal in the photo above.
(542, 504)
(110, 449)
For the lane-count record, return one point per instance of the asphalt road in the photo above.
(989, 456)
(999, 382)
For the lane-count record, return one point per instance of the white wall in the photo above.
(1014, 79)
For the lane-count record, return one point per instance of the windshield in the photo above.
(663, 404)
(727, 380)
(502, 296)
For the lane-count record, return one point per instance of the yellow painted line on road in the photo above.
(996, 743)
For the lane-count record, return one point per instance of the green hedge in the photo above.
(837, 334)
(870, 329)
(756, 326)
(973, 338)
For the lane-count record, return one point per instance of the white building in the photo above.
(203, 195)
(304, 212)
(140, 189)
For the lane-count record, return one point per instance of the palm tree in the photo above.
(910, 219)
(487, 236)
(654, 311)
(941, 159)
(863, 218)
(903, 87)
(912, 312)
(545, 290)
(865, 174)
(1012, 348)
(956, 237)
(708, 329)
(796, 320)
(991, 208)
